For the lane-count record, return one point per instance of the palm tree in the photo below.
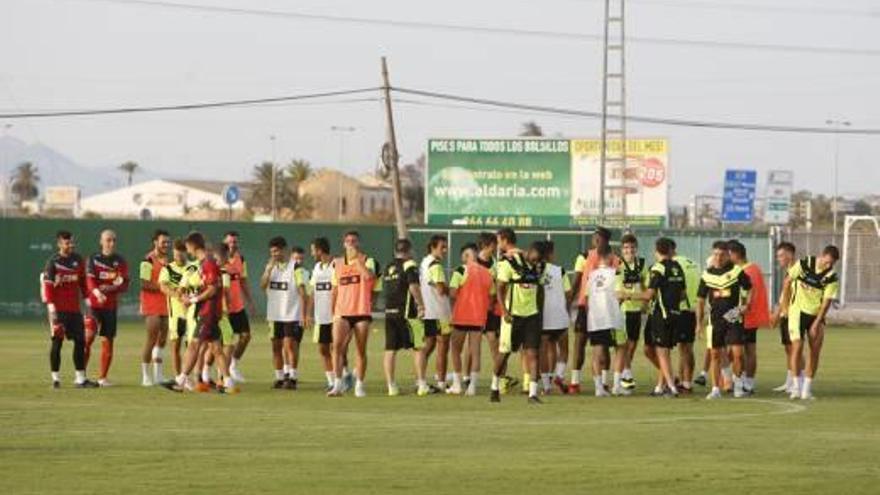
(261, 193)
(129, 168)
(299, 170)
(25, 182)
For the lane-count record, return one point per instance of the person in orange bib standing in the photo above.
(354, 280)
(154, 308)
(471, 288)
(757, 313)
(240, 301)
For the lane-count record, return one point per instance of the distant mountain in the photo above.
(57, 169)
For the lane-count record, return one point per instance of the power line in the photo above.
(635, 118)
(188, 106)
(571, 36)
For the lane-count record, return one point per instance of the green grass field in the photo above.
(131, 440)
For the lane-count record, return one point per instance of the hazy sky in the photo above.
(72, 54)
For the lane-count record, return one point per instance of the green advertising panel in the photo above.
(515, 182)
(541, 182)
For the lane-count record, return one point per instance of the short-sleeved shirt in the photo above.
(153, 302)
(177, 276)
(236, 268)
(211, 308)
(811, 287)
(632, 279)
(396, 279)
(524, 281)
(724, 287)
(691, 281)
(667, 279)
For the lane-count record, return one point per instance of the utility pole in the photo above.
(390, 157)
(613, 109)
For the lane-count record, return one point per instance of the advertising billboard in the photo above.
(542, 182)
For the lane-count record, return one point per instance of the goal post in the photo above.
(849, 222)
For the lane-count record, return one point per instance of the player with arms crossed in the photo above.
(106, 278)
(808, 290)
(355, 278)
(403, 310)
(63, 285)
(154, 308)
(726, 288)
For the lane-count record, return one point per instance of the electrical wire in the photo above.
(188, 106)
(572, 36)
(636, 118)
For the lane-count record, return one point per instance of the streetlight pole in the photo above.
(836, 124)
(342, 131)
(274, 173)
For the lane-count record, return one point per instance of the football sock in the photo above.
(604, 376)
(206, 373)
(576, 377)
(56, 376)
(597, 382)
(495, 381)
(157, 371)
(80, 376)
(145, 371)
(627, 373)
(808, 386)
(293, 374)
(475, 377)
(560, 369)
(617, 377)
(106, 357)
(330, 376)
(545, 381)
(533, 389)
(456, 380)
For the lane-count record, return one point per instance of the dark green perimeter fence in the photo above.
(26, 244)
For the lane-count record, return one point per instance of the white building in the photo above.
(160, 198)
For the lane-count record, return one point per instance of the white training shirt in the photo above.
(282, 298)
(437, 305)
(322, 285)
(604, 308)
(555, 310)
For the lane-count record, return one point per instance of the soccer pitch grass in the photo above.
(127, 439)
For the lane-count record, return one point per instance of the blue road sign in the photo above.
(738, 205)
(231, 194)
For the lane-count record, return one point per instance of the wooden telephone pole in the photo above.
(390, 158)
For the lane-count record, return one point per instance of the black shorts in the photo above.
(432, 328)
(751, 336)
(603, 338)
(633, 325)
(325, 333)
(526, 332)
(74, 328)
(725, 333)
(354, 320)
(287, 330)
(784, 337)
(493, 323)
(806, 322)
(208, 329)
(466, 328)
(686, 328)
(660, 331)
(180, 327)
(554, 335)
(397, 334)
(580, 323)
(239, 322)
(106, 320)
